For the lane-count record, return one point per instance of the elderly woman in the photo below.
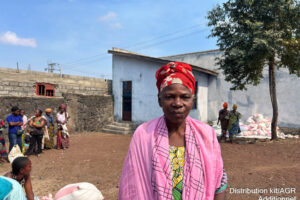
(62, 118)
(174, 156)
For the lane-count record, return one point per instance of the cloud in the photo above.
(116, 25)
(12, 39)
(111, 18)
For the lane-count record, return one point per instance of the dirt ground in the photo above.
(98, 158)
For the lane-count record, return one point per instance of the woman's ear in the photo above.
(22, 170)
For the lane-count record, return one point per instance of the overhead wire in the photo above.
(134, 45)
(76, 64)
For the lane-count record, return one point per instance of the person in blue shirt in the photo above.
(15, 122)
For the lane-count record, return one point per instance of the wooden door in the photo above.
(127, 100)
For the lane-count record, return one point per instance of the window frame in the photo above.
(45, 89)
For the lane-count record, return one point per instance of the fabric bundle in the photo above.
(79, 191)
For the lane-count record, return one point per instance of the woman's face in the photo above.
(27, 169)
(61, 110)
(37, 113)
(176, 101)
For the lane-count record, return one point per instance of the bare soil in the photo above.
(98, 158)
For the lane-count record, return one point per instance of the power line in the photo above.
(164, 41)
(105, 55)
(143, 47)
(165, 35)
(136, 44)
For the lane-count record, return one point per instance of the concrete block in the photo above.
(14, 83)
(13, 93)
(58, 94)
(3, 92)
(5, 82)
(8, 88)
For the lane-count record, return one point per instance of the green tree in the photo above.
(254, 34)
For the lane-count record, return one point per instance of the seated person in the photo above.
(21, 168)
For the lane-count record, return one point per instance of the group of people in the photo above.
(229, 122)
(13, 182)
(36, 133)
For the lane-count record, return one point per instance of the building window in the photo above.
(195, 96)
(45, 89)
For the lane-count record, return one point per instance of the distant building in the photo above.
(135, 93)
(89, 100)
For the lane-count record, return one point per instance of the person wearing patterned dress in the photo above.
(3, 150)
(49, 143)
(174, 157)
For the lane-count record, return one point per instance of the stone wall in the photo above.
(88, 113)
(23, 83)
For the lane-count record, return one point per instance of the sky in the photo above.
(77, 33)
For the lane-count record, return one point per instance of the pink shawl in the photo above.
(146, 173)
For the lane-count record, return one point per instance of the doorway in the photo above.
(127, 100)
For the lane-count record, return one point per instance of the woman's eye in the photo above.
(186, 97)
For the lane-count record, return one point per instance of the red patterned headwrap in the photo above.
(175, 72)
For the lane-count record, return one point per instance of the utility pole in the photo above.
(52, 66)
(18, 67)
(60, 71)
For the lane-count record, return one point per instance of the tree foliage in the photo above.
(250, 32)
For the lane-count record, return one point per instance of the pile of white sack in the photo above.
(256, 126)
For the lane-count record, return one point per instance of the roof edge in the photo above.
(198, 52)
(122, 52)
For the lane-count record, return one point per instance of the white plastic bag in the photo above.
(14, 153)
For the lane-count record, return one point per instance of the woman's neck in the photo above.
(175, 128)
(176, 133)
(18, 177)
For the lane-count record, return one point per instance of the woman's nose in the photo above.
(177, 102)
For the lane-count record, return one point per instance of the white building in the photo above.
(135, 92)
